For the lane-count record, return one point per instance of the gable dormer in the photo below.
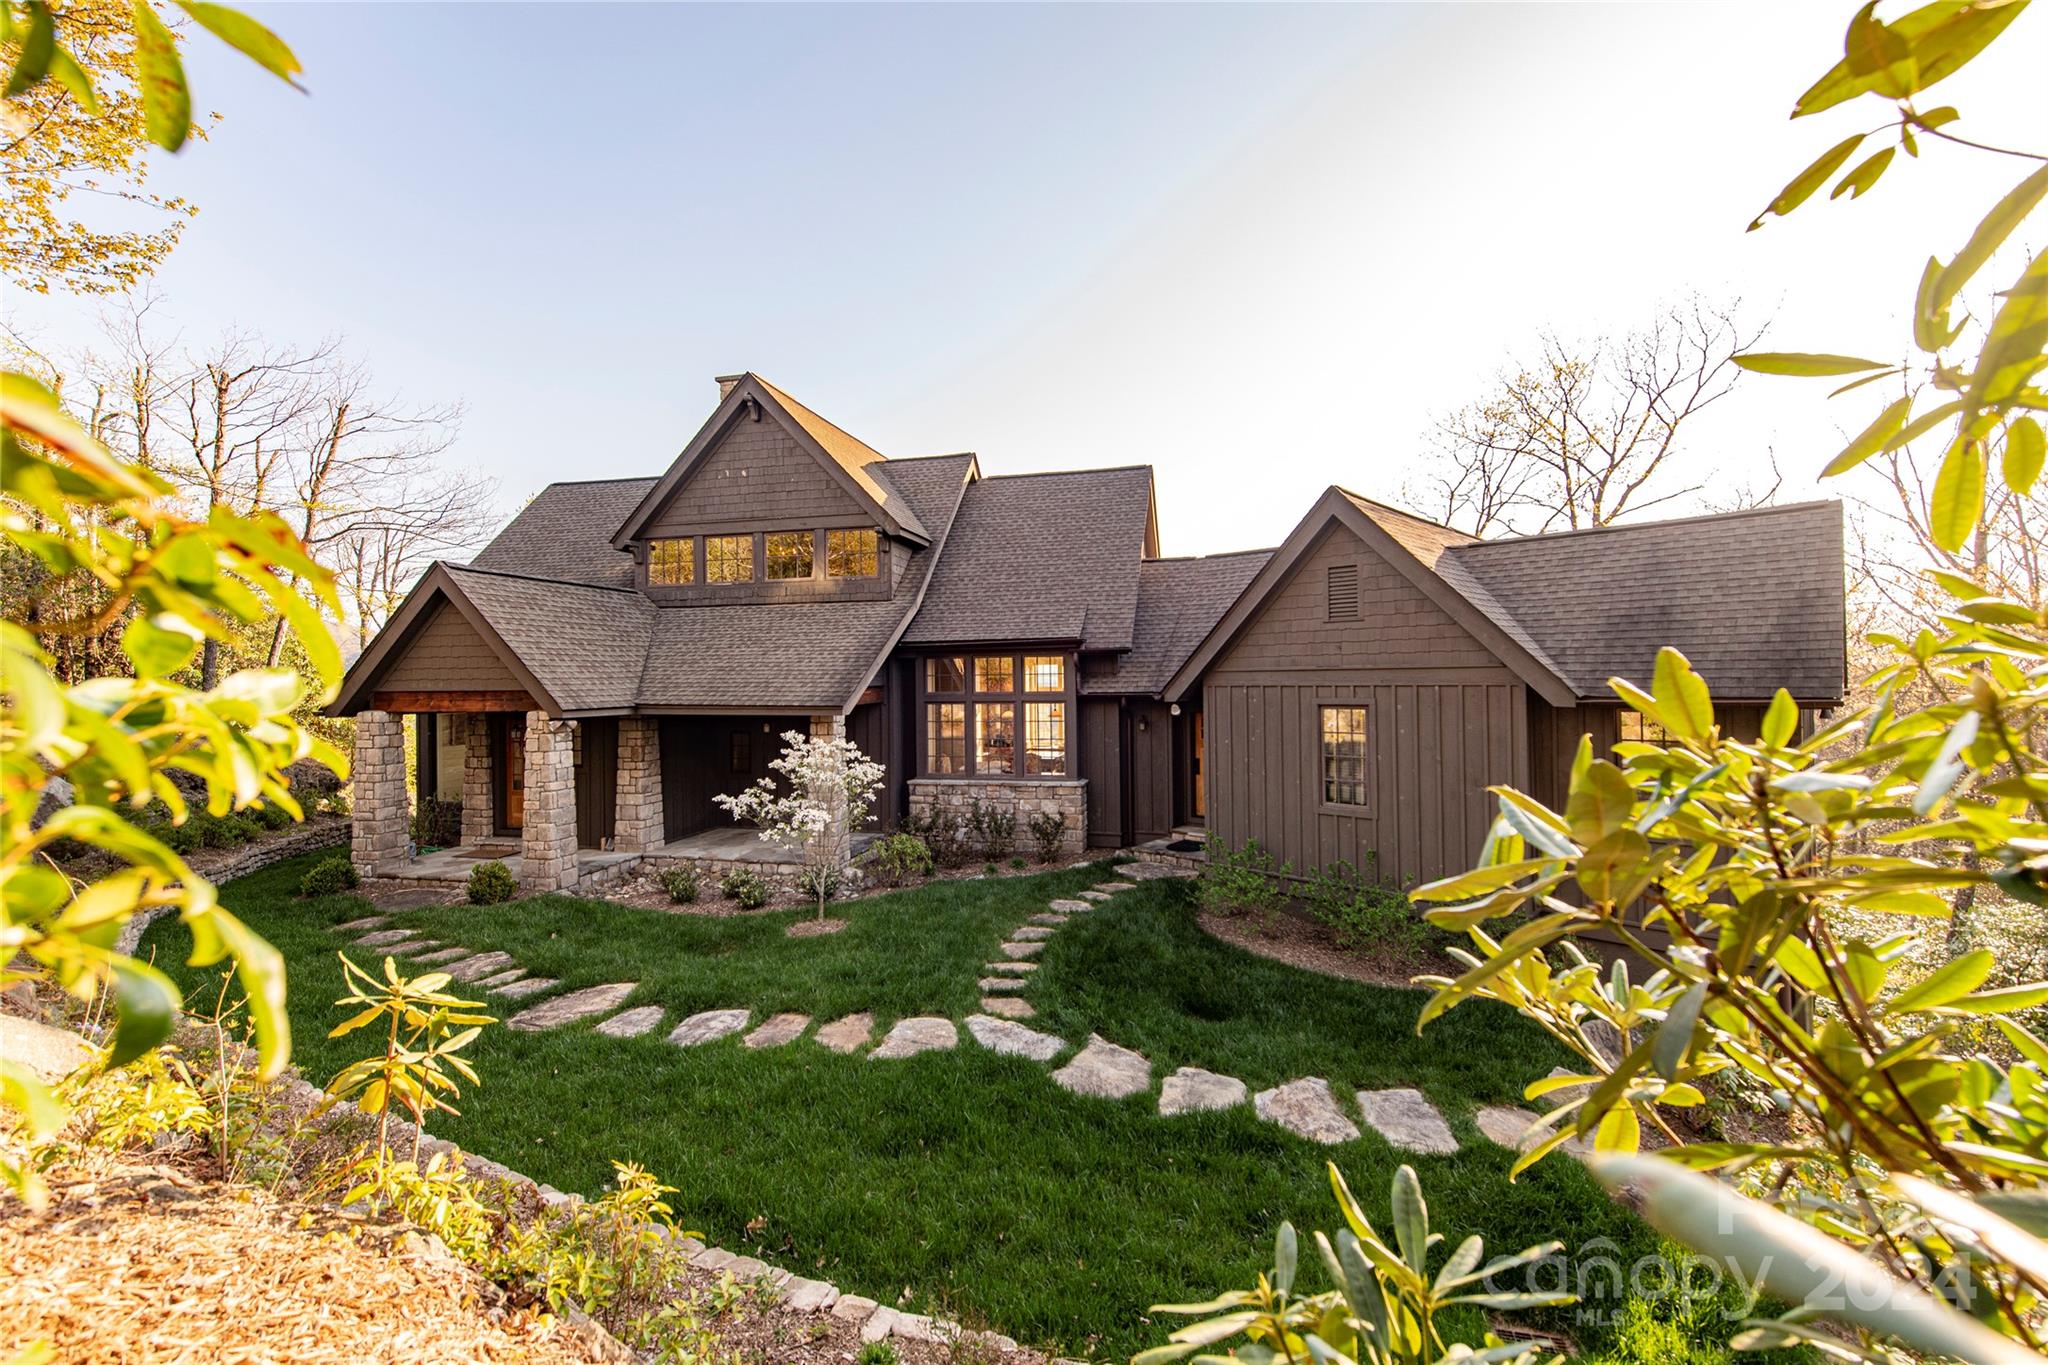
(770, 502)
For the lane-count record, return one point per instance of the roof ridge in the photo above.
(619, 478)
(1739, 512)
(1196, 559)
(1357, 497)
(1060, 473)
(533, 578)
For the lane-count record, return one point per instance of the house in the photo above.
(628, 649)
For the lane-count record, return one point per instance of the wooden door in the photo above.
(1200, 807)
(513, 766)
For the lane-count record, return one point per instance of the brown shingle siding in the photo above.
(758, 477)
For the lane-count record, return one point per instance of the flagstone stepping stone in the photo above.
(1002, 985)
(1014, 950)
(1054, 921)
(1509, 1127)
(709, 1026)
(1031, 933)
(1105, 1070)
(501, 979)
(1307, 1109)
(1008, 1007)
(478, 967)
(414, 948)
(384, 938)
(519, 990)
(1192, 1089)
(1152, 872)
(366, 922)
(1405, 1118)
(1567, 1093)
(567, 1009)
(1114, 887)
(631, 1023)
(442, 955)
(809, 1296)
(848, 1034)
(1014, 1040)
(1072, 907)
(1009, 968)
(1091, 896)
(925, 1033)
(782, 1028)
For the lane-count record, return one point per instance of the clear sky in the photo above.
(1257, 247)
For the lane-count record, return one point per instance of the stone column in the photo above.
(382, 812)
(841, 851)
(479, 797)
(638, 827)
(548, 855)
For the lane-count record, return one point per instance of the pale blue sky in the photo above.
(1257, 247)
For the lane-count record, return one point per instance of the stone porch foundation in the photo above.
(381, 832)
(1026, 796)
(548, 842)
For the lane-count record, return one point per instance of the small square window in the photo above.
(671, 562)
(852, 554)
(945, 738)
(789, 554)
(947, 674)
(1344, 774)
(995, 673)
(728, 559)
(1045, 673)
(995, 736)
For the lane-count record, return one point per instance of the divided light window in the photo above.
(852, 554)
(670, 562)
(1344, 771)
(1639, 728)
(728, 559)
(789, 554)
(999, 714)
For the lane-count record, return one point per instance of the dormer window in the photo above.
(789, 554)
(728, 559)
(672, 562)
(852, 554)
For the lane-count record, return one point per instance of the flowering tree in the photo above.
(831, 789)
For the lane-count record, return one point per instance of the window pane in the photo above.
(994, 673)
(851, 554)
(1045, 673)
(742, 757)
(946, 737)
(672, 561)
(789, 554)
(728, 559)
(1045, 738)
(945, 675)
(995, 736)
(1344, 774)
(1637, 727)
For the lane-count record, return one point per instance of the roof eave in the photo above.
(437, 583)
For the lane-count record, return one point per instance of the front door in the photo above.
(1200, 809)
(513, 766)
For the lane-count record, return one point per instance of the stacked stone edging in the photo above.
(265, 852)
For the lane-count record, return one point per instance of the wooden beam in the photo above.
(868, 697)
(431, 702)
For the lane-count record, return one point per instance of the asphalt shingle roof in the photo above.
(584, 644)
(1042, 557)
(565, 533)
(1179, 603)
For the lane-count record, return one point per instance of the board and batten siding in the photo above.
(1444, 721)
(448, 655)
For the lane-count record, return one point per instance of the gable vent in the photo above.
(1343, 592)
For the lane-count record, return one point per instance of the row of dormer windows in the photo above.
(784, 555)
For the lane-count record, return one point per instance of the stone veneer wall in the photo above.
(1027, 796)
(638, 827)
(834, 727)
(548, 851)
(382, 808)
(479, 814)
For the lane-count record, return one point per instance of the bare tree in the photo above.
(1585, 432)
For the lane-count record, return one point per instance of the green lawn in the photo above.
(967, 1179)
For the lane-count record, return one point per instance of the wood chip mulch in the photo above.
(1305, 944)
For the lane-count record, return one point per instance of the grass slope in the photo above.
(966, 1179)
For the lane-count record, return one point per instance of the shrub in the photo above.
(335, 803)
(226, 831)
(901, 857)
(877, 1353)
(329, 877)
(1364, 913)
(182, 838)
(437, 823)
(271, 817)
(1242, 880)
(745, 887)
(942, 835)
(818, 883)
(991, 829)
(682, 883)
(1049, 833)
(491, 884)
(1018, 864)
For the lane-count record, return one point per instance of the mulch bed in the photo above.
(814, 928)
(645, 892)
(1305, 944)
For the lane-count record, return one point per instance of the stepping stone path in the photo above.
(501, 979)
(925, 1033)
(414, 948)
(1051, 920)
(567, 1009)
(1009, 968)
(519, 990)
(1073, 907)
(781, 1029)
(1091, 896)
(631, 1023)
(709, 1026)
(1508, 1127)
(1191, 1089)
(366, 922)
(445, 955)
(1104, 1070)
(1406, 1118)
(849, 1034)
(1008, 1007)
(1003, 985)
(1015, 950)
(1113, 887)
(478, 967)
(1014, 1040)
(1307, 1109)
(1031, 933)
(384, 938)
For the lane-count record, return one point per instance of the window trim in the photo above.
(689, 544)
(972, 697)
(1368, 761)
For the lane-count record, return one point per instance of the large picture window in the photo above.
(672, 562)
(789, 554)
(1345, 779)
(1004, 715)
(851, 554)
(728, 559)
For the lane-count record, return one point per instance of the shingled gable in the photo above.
(1369, 523)
(436, 590)
(851, 463)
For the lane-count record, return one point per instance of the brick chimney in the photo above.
(725, 384)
